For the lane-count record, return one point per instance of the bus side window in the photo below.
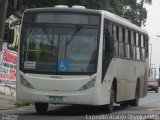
(146, 46)
(121, 41)
(138, 39)
(142, 48)
(108, 42)
(132, 44)
(127, 43)
(114, 31)
(107, 46)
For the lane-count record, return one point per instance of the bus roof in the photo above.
(49, 9)
(108, 15)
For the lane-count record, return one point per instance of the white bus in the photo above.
(80, 56)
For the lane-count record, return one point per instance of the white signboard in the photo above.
(30, 65)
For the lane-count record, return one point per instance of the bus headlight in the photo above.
(89, 85)
(25, 82)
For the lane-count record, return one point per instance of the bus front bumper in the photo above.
(58, 97)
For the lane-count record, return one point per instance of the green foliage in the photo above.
(92, 4)
(148, 1)
(131, 10)
(128, 9)
(19, 104)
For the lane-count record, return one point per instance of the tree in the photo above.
(92, 4)
(131, 10)
(13, 8)
(107, 4)
(3, 10)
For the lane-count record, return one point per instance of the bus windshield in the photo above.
(59, 49)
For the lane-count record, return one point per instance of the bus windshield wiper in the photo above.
(78, 28)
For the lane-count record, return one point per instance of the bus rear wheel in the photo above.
(124, 104)
(41, 107)
(135, 101)
(157, 90)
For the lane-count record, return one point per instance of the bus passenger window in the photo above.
(133, 38)
(138, 42)
(143, 54)
(120, 34)
(114, 32)
(121, 42)
(138, 56)
(126, 36)
(117, 33)
(116, 48)
(133, 52)
(127, 51)
(121, 49)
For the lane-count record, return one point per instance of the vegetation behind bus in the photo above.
(129, 9)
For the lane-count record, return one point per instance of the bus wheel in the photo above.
(124, 104)
(135, 101)
(41, 107)
(157, 90)
(110, 106)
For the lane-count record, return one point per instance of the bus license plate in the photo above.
(55, 99)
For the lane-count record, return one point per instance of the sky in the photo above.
(153, 28)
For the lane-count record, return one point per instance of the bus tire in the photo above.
(135, 101)
(41, 107)
(124, 104)
(157, 90)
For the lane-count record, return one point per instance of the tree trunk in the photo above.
(107, 4)
(141, 12)
(3, 11)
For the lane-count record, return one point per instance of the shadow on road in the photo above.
(76, 110)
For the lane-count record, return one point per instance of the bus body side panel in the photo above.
(126, 73)
(144, 80)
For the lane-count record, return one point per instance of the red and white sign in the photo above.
(8, 67)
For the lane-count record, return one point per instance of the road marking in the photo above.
(152, 117)
(21, 109)
(155, 109)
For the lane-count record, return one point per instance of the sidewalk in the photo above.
(7, 102)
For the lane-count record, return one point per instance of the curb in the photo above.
(8, 90)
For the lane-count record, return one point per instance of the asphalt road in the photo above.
(148, 107)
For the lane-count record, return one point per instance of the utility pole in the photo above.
(159, 77)
(150, 63)
(107, 4)
(3, 11)
(141, 12)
